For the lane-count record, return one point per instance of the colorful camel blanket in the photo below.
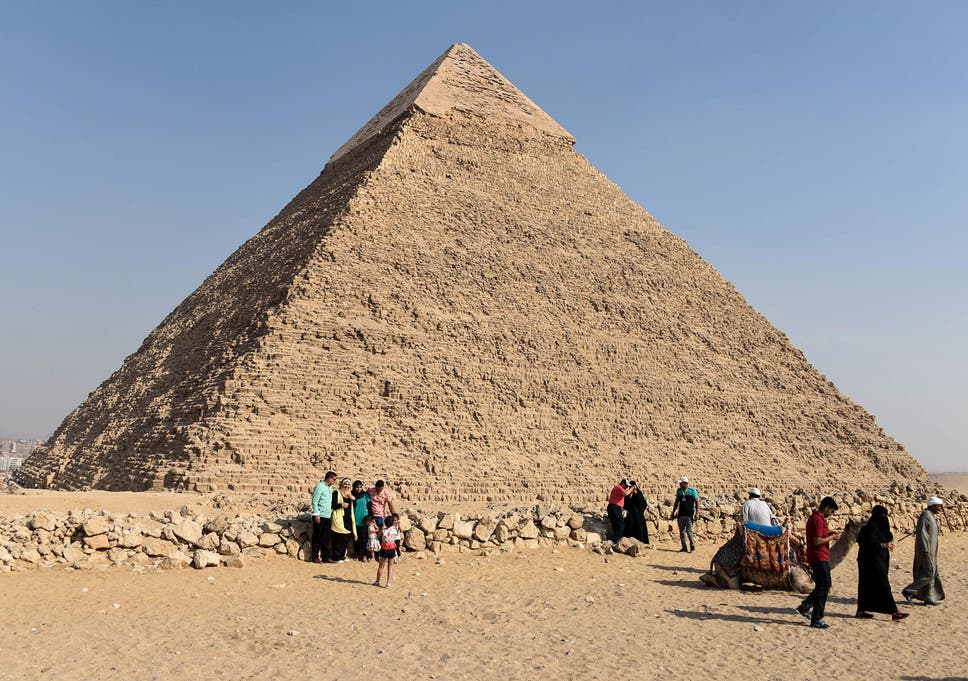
(770, 554)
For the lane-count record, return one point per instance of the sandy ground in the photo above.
(565, 615)
(31, 500)
(958, 481)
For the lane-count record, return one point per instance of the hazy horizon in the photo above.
(816, 157)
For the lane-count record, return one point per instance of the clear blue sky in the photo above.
(815, 153)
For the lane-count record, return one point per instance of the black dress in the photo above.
(873, 562)
(635, 521)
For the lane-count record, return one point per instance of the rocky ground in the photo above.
(85, 531)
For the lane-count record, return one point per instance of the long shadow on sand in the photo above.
(745, 619)
(343, 580)
(771, 610)
(684, 584)
(842, 600)
(673, 568)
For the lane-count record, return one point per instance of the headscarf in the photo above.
(879, 524)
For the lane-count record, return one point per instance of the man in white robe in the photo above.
(927, 582)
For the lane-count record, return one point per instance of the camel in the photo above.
(726, 570)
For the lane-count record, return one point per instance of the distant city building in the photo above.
(9, 463)
(19, 449)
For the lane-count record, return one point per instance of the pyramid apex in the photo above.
(459, 80)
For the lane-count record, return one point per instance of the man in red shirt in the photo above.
(616, 503)
(819, 538)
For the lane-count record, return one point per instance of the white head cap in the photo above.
(935, 501)
(683, 479)
(756, 492)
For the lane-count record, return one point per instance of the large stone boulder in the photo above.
(159, 547)
(132, 539)
(630, 546)
(42, 521)
(269, 539)
(175, 561)
(415, 540)
(203, 559)
(463, 529)
(98, 542)
(247, 539)
(96, 525)
(236, 561)
(188, 531)
(31, 555)
(484, 529)
(209, 541)
(228, 548)
(427, 524)
(528, 530)
(73, 554)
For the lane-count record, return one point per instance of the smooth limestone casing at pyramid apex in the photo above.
(461, 304)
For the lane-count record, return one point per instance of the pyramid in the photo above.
(460, 303)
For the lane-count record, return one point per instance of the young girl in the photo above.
(388, 551)
(372, 537)
(396, 526)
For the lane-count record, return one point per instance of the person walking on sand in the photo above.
(322, 507)
(926, 586)
(874, 544)
(757, 511)
(819, 538)
(685, 510)
(616, 508)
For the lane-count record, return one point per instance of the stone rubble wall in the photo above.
(87, 539)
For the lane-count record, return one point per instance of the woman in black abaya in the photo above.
(635, 521)
(874, 545)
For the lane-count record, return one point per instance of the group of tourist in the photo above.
(875, 543)
(626, 512)
(343, 510)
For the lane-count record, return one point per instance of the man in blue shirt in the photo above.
(687, 505)
(322, 516)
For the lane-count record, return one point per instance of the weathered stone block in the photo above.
(42, 521)
(97, 542)
(188, 531)
(96, 525)
(203, 559)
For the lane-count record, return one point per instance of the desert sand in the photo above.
(958, 481)
(567, 614)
